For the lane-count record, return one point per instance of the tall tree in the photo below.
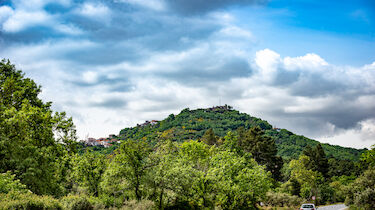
(318, 160)
(263, 149)
(209, 137)
(88, 171)
(32, 137)
(369, 157)
(131, 163)
(321, 160)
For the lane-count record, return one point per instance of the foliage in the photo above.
(361, 192)
(138, 205)
(318, 160)
(76, 202)
(193, 124)
(88, 170)
(32, 137)
(209, 137)
(342, 168)
(340, 187)
(239, 181)
(279, 199)
(8, 183)
(307, 178)
(129, 168)
(215, 158)
(262, 148)
(28, 201)
(369, 157)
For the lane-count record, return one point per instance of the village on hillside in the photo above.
(103, 142)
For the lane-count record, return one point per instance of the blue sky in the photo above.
(308, 66)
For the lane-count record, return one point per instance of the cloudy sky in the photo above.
(304, 65)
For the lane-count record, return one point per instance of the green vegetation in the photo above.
(213, 158)
(193, 124)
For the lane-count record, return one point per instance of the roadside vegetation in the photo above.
(231, 161)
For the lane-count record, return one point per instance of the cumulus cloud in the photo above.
(115, 64)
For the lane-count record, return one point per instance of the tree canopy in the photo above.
(32, 137)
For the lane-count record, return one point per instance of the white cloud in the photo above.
(267, 61)
(5, 13)
(22, 19)
(37, 5)
(156, 97)
(306, 105)
(367, 130)
(121, 88)
(68, 29)
(310, 61)
(158, 5)
(90, 77)
(223, 17)
(48, 50)
(96, 11)
(27, 14)
(360, 137)
(236, 32)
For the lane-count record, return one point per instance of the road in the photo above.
(333, 207)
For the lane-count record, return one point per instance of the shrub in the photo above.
(282, 199)
(96, 203)
(361, 193)
(28, 201)
(112, 201)
(9, 183)
(76, 202)
(138, 205)
(366, 199)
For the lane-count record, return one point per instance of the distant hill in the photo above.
(192, 124)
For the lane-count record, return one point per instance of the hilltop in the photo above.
(192, 124)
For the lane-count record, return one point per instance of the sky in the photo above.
(304, 65)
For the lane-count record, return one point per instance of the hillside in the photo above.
(192, 124)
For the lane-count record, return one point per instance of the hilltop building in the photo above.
(104, 142)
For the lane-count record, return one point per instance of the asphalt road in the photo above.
(333, 207)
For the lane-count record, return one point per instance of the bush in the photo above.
(282, 199)
(28, 201)
(138, 205)
(9, 183)
(366, 199)
(97, 203)
(361, 193)
(112, 201)
(76, 202)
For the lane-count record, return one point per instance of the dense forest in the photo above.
(214, 158)
(192, 124)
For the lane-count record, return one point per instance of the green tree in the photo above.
(307, 178)
(369, 157)
(32, 137)
(263, 150)
(8, 183)
(318, 160)
(209, 137)
(321, 160)
(196, 156)
(239, 182)
(163, 174)
(341, 167)
(88, 170)
(361, 192)
(131, 163)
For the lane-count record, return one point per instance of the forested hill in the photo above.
(192, 124)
